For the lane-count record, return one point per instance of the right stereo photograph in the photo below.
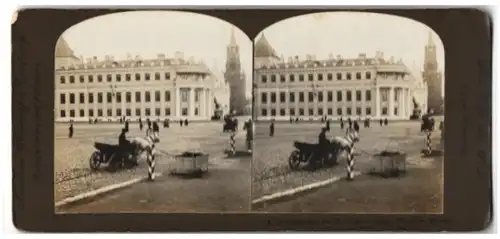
(348, 110)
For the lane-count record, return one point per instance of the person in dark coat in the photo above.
(328, 125)
(249, 137)
(149, 123)
(271, 128)
(126, 125)
(323, 144)
(381, 122)
(356, 126)
(386, 122)
(181, 122)
(156, 131)
(70, 130)
(297, 120)
(367, 122)
(349, 121)
(165, 123)
(186, 122)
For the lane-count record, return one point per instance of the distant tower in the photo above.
(432, 77)
(235, 77)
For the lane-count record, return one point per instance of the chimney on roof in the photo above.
(82, 60)
(362, 56)
(94, 59)
(137, 57)
(296, 59)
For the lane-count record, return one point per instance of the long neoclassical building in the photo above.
(108, 89)
(337, 87)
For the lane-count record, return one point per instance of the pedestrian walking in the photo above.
(386, 122)
(381, 122)
(70, 130)
(271, 128)
(186, 122)
(328, 125)
(356, 126)
(149, 123)
(181, 122)
(249, 137)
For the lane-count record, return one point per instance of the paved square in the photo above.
(73, 175)
(271, 173)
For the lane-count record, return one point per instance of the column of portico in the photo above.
(177, 101)
(377, 112)
(113, 103)
(86, 103)
(403, 102)
(202, 102)
(353, 103)
(209, 102)
(391, 102)
(278, 103)
(325, 103)
(409, 106)
(123, 98)
(191, 102)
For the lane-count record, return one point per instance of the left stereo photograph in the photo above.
(152, 114)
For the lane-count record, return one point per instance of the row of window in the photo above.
(109, 77)
(128, 112)
(117, 97)
(320, 96)
(319, 112)
(310, 77)
(311, 95)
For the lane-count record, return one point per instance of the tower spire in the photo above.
(233, 38)
(430, 41)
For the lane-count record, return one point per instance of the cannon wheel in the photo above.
(95, 160)
(294, 160)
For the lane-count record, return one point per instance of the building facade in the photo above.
(337, 87)
(433, 77)
(158, 88)
(235, 76)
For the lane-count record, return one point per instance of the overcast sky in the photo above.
(351, 33)
(148, 33)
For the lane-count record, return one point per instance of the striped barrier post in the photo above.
(350, 162)
(428, 142)
(151, 166)
(232, 142)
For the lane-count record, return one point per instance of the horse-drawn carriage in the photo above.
(112, 155)
(317, 157)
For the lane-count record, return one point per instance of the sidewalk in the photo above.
(419, 191)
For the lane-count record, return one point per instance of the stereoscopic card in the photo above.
(298, 120)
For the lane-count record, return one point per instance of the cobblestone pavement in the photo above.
(72, 175)
(271, 172)
(420, 190)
